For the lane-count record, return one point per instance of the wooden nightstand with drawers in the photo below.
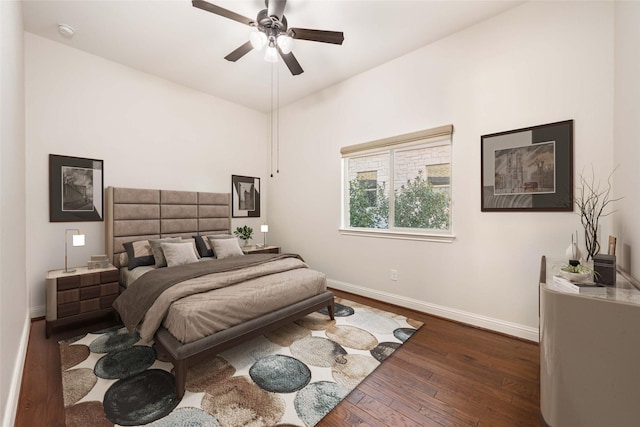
(81, 295)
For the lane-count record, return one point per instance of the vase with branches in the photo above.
(594, 202)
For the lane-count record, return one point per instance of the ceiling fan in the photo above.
(272, 30)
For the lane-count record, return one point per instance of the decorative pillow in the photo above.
(213, 237)
(123, 259)
(203, 247)
(224, 248)
(195, 247)
(139, 253)
(156, 249)
(179, 253)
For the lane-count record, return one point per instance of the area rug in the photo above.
(292, 376)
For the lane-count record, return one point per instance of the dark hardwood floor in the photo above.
(447, 374)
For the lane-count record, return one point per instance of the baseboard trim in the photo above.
(13, 396)
(497, 325)
(38, 311)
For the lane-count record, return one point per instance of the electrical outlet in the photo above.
(394, 275)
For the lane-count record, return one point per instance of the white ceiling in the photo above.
(181, 43)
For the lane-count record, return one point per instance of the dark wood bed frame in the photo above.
(137, 214)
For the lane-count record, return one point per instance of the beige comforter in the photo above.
(203, 305)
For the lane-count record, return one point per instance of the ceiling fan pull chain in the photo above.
(278, 117)
(271, 120)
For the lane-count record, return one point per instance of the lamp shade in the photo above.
(285, 43)
(264, 228)
(271, 54)
(257, 39)
(78, 240)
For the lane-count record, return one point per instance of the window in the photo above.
(399, 185)
(368, 184)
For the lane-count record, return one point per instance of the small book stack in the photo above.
(98, 261)
(569, 286)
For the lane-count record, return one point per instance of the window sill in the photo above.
(389, 234)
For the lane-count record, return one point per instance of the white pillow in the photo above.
(158, 254)
(179, 253)
(213, 237)
(224, 248)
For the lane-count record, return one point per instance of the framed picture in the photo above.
(75, 189)
(528, 169)
(245, 196)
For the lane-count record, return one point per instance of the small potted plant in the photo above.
(244, 233)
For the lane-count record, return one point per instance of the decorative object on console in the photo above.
(592, 201)
(528, 169)
(75, 189)
(77, 240)
(264, 228)
(576, 273)
(573, 253)
(611, 249)
(244, 233)
(245, 195)
(604, 267)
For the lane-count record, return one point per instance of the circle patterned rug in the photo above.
(292, 376)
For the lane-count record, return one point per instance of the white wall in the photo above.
(14, 308)
(627, 135)
(150, 133)
(538, 63)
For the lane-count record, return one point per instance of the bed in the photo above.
(181, 307)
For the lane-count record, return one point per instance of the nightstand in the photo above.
(81, 295)
(261, 250)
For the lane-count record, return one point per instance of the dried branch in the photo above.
(592, 201)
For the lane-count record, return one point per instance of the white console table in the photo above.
(589, 354)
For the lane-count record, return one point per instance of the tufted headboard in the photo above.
(138, 214)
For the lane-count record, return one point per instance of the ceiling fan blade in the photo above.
(291, 61)
(335, 37)
(276, 7)
(239, 52)
(201, 4)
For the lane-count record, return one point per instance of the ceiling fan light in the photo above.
(257, 39)
(271, 54)
(285, 43)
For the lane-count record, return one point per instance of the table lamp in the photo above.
(77, 240)
(264, 228)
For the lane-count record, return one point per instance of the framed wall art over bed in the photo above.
(529, 169)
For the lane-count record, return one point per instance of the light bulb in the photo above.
(257, 39)
(270, 54)
(285, 43)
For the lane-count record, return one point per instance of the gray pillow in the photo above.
(224, 248)
(179, 253)
(158, 255)
(213, 237)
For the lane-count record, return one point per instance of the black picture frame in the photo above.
(76, 189)
(245, 196)
(528, 169)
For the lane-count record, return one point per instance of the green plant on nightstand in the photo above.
(244, 233)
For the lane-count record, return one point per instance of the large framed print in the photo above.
(245, 196)
(75, 189)
(529, 169)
